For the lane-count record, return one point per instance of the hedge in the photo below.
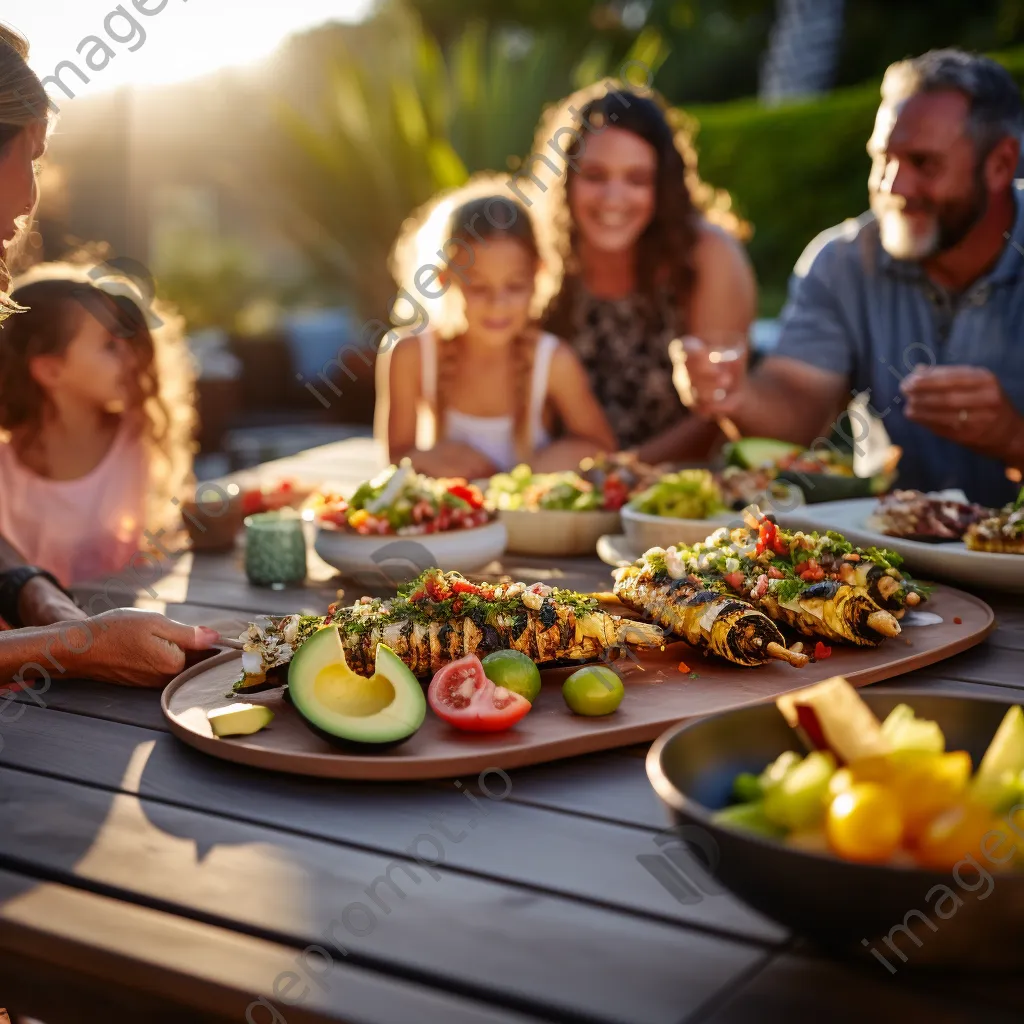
(794, 170)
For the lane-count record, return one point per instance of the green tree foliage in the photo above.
(717, 45)
(398, 119)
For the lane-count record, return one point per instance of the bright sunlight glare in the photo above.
(183, 39)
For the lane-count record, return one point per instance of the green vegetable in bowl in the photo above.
(689, 494)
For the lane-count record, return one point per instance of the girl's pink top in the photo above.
(80, 529)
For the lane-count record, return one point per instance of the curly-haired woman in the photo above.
(648, 253)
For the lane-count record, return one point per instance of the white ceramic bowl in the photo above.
(557, 532)
(403, 558)
(645, 531)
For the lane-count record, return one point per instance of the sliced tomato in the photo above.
(464, 697)
(464, 587)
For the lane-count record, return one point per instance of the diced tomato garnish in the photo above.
(821, 651)
(463, 696)
(435, 588)
(470, 495)
(735, 580)
(616, 494)
(766, 535)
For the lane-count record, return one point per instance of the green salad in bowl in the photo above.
(522, 490)
(688, 494)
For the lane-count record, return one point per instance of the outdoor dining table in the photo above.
(141, 880)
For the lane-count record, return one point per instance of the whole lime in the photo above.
(515, 671)
(593, 690)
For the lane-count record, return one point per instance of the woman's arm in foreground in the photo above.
(586, 428)
(127, 646)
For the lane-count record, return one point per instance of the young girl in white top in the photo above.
(95, 423)
(495, 390)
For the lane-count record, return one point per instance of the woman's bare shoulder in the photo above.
(719, 252)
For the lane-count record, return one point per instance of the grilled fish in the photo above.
(704, 616)
(804, 581)
(441, 617)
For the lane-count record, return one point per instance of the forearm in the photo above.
(692, 438)
(788, 401)
(564, 454)
(31, 653)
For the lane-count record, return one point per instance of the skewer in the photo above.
(882, 622)
(727, 427)
(227, 641)
(796, 659)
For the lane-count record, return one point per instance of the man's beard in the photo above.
(949, 223)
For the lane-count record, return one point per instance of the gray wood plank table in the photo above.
(143, 881)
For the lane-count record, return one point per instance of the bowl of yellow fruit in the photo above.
(876, 824)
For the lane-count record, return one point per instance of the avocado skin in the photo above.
(352, 746)
(342, 743)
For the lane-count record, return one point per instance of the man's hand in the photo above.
(707, 377)
(966, 404)
(130, 646)
(40, 603)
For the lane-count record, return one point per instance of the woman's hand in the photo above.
(129, 646)
(453, 458)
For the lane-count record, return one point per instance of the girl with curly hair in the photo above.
(482, 387)
(645, 253)
(96, 419)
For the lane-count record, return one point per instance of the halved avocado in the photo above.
(819, 487)
(349, 709)
(755, 452)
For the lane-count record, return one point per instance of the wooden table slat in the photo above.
(797, 989)
(432, 930)
(133, 957)
(583, 859)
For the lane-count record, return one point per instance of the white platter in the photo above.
(947, 560)
(464, 551)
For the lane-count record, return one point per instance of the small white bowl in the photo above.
(398, 559)
(557, 531)
(645, 531)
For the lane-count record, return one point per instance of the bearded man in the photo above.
(919, 301)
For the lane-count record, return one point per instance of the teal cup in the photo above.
(275, 549)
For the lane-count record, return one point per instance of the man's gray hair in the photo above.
(996, 108)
